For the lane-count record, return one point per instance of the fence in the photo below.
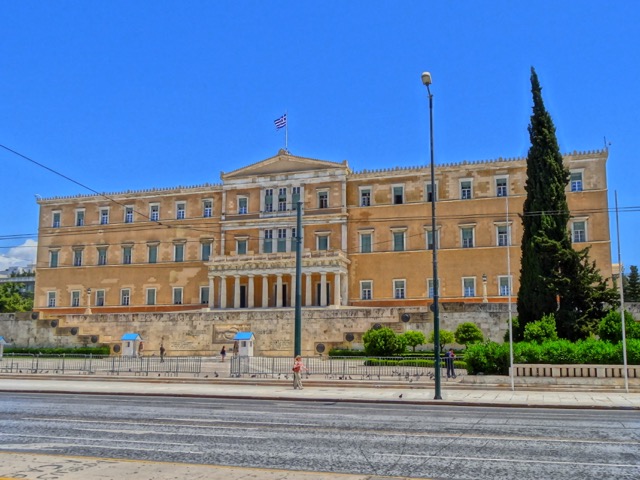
(589, 371)
(92, 364)
(339, 368)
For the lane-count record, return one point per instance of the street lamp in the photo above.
(88, 309)
(484, 288)
(426, 80)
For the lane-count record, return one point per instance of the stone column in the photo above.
(211, 296)
(323, 289)
(265, 290)
(293, 290)
(337, 297)
(345, 290)
(236, 292)
(250, 293)
(223, 291)
(307, 296)
(279, 290)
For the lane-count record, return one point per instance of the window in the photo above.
(295, 197)
(575, 180)
(430, 287)
(177, 295)
(268, 200)
(366, 287)
(51, 299)
(430, 238)
(241, 247)
(323, 199)
(104, 216)
(398, 195)
(282, 199)
(429, 193)
(398, 241)
(501, 187)
(75, 298)
(398, 289)
(579, 231)
(365, 196)
(178, 252)
(469, 287)
(504, 284)
(365, 242)
(243, 203)
(102, 255)
(99, 298)
(127, 254)
(181, 210)
(267, 246)
(77, 258)
(465, 189)
(128, 214)
(151, 296)
(79, 218)
(323, 242)
(502, 235)
(293, 240)
(282, 240)
(55, 221)
(125, 296)
(53, 258)
(204, 295)
(467, 237)
(154, 212)
(152, 250)
(207, 208)
(205, 251)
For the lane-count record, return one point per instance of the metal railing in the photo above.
(92, 364)
(339, 368)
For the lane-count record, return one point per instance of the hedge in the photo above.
(375, 362)
(93, 350)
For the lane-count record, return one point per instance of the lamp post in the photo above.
(426, 80)
(88, 309)
(484, 288)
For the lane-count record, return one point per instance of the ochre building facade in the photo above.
(367, 238)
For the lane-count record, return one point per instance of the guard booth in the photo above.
(132, 345)
(3, 342)
(244, 340)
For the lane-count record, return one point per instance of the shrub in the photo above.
(383, 342)
(541, 331)
(414, 338)
(445, 337)
(338, 352)
(94, 350)
(468, 333)
(515, 329)
(490, 358)
(610, 327)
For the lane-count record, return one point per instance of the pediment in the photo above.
(282, 163)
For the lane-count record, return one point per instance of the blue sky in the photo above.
(121, 95)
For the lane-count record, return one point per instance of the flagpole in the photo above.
(286, 131)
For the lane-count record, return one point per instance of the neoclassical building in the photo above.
(367, 237)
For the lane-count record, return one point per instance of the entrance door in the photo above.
(318, 294)
(243, 296)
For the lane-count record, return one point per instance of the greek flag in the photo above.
(281, 122)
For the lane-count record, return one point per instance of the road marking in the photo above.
(511, 460)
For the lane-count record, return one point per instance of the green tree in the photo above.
(554, 278)
(414, 338)
(610, 327)
(11, 300)
(445, 337)
(468, 333)
(383, 342)
(542, 330)
(632, 287)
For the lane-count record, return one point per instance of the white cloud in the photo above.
(21, 256)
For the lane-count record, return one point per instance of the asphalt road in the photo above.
(404, 440)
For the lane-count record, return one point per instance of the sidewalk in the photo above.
(452, 393)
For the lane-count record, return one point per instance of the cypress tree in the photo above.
(545, 216)
(632, 287)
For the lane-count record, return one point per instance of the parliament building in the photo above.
(367, 237)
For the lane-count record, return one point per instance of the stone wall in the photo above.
(204, 333)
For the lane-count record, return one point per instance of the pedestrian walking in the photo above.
(162, 350)
(449, 358)
(223, 353)
(140, 348)
(236, 348)
(298, 367)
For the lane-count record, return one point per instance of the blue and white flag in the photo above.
(281, 122)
